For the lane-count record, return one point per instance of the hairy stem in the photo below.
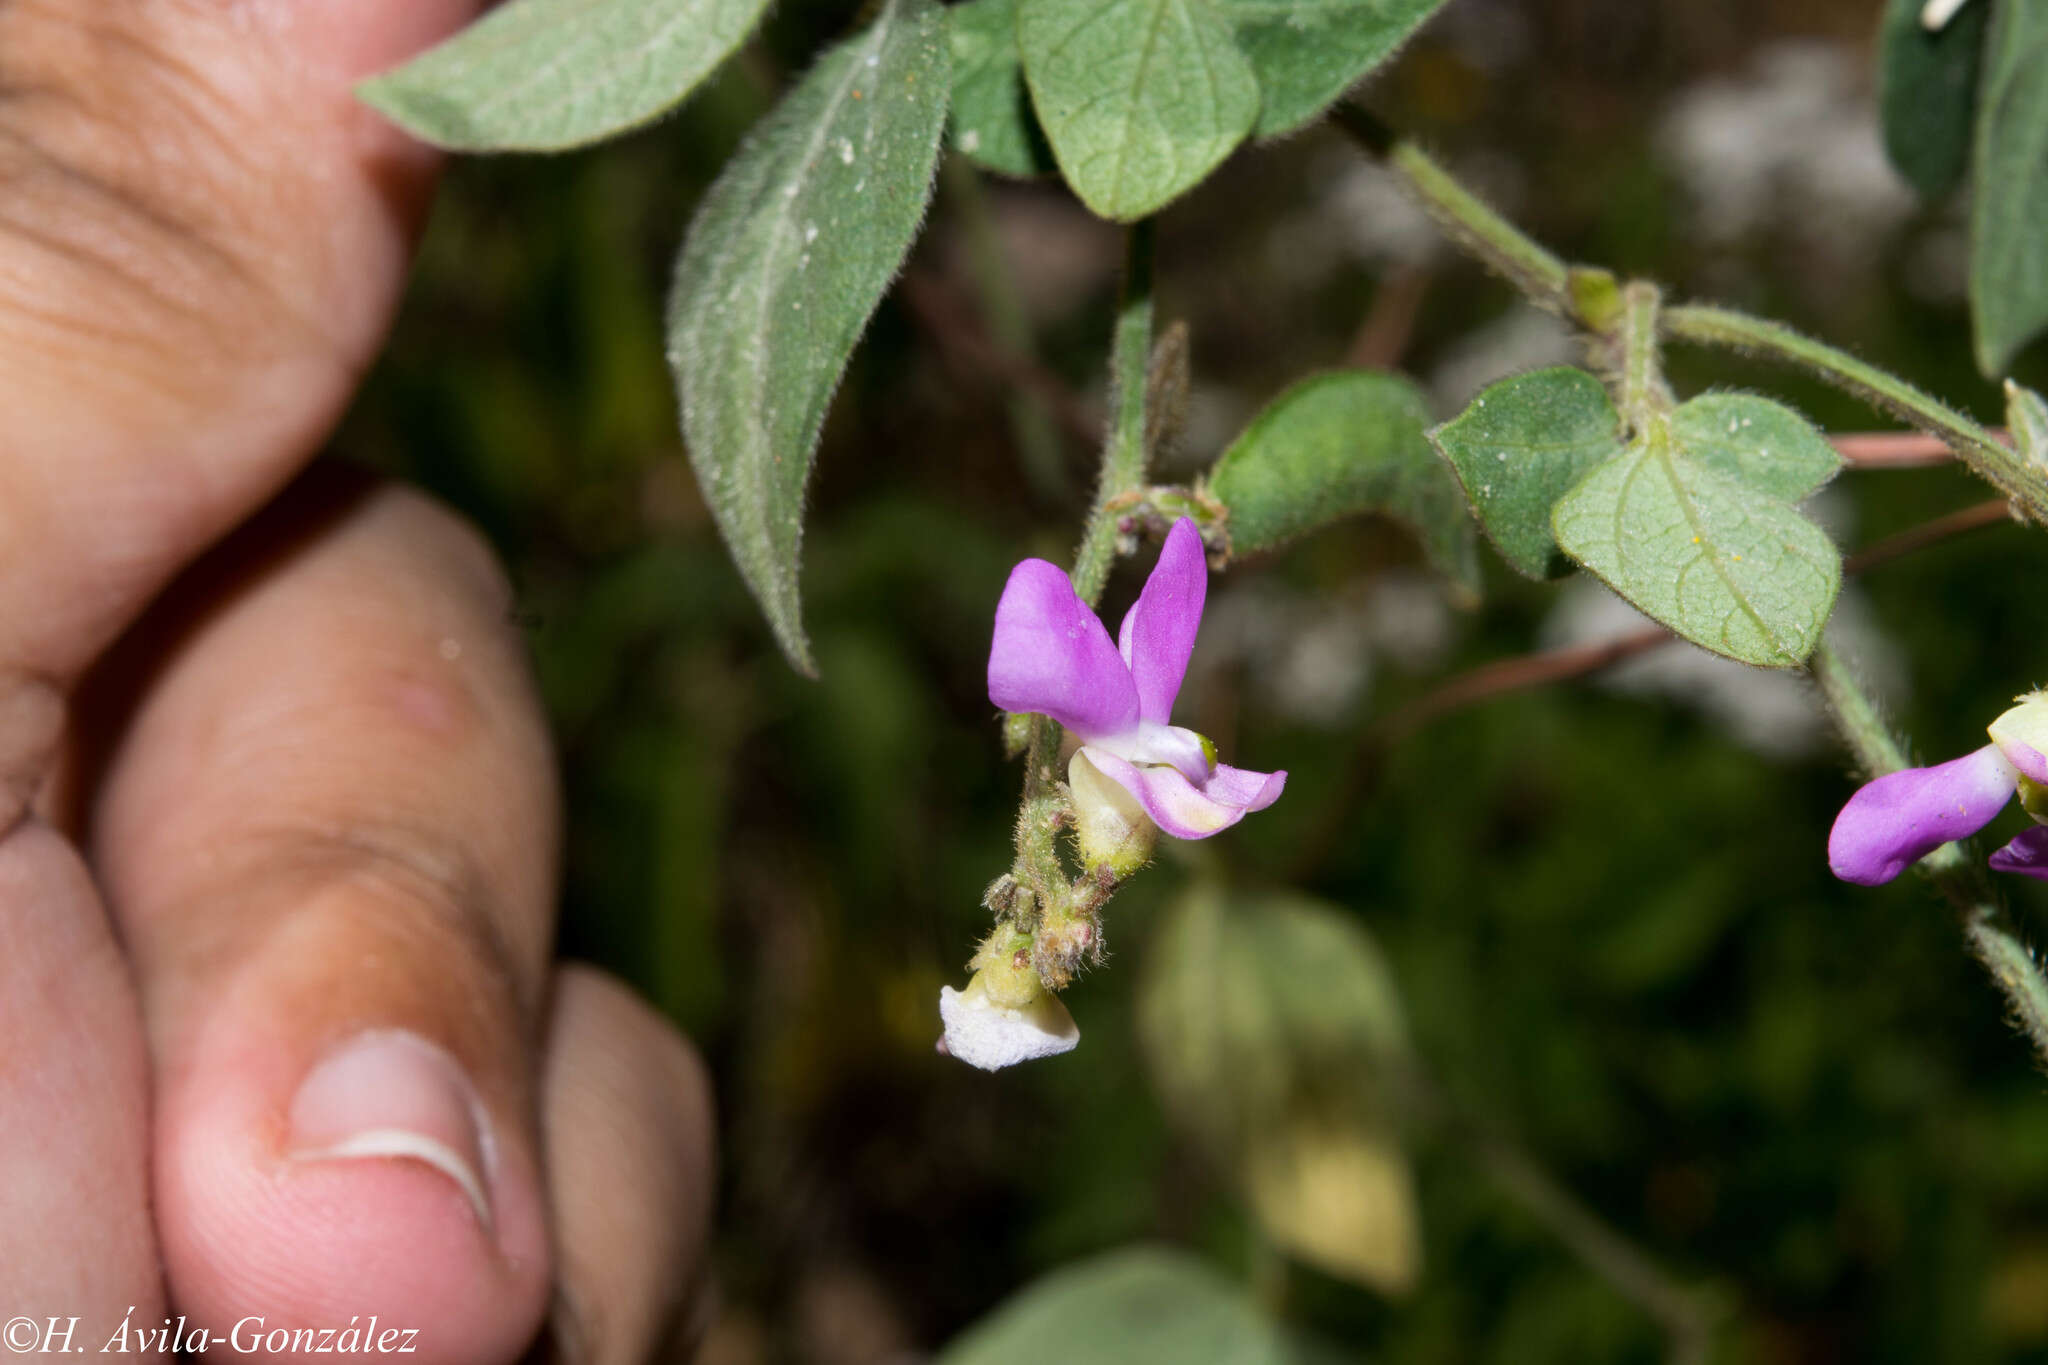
(1959, 877)
(1123, 452)
(1975, 445)
(1123, 473)
(1463, 216)
(1643, 394)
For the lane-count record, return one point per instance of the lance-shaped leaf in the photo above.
(1339, 444)
(1135, 1304)
(541, 75)
(1927, 92)
(1519, 447)
(1140, 98)
(993, 125)
(1693, 524)
(1275, 1034)
(1308, 52)
(2026, 417)
(789, 254)
(2008, 248)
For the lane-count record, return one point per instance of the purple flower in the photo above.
(1053, 656)
(1897, 819)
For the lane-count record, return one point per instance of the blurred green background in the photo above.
(1605, 903)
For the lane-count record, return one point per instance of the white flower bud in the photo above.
(983, 1033)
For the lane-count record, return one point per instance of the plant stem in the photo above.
(1975, 445)
(1496, 242)
(1123, 472)
(1123, 452)
(1959, 877)
(1643, 394)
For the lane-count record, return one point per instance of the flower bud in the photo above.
(1110, 827)
(2021, 735)
(1027, 1023)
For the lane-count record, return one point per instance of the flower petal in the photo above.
(2026, 855)
(1158, 632)
(1053, 656)
(982, 1033)
(1174, 745)
(1184, 810)
(1901, 816)
(2021, 734)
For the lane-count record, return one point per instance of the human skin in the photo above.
(283, 1033)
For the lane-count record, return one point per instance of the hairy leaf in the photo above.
(993, 124)
(1135, 1304)
(789, 254)
(1519, 447)
(1927, 92)
(1763, 443)
(541, 75)
(1335, 445)
(2008, 249)
(1695, 537)
(1140, 98)
(1308, 52)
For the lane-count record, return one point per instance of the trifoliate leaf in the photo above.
(1704, 540)
(790, 252)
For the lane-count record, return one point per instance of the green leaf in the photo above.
(2008, 249)
(1702, 538)
(1927, 92)
(1763, 443)
(1308, 52)
(541, 75)
(993, 125)
(789, 254)
(1134, 1304)
(1140, 98)
(1519, 447)
(1335, 445)
(1275, 1035)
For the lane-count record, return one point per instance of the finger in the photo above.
(626, 1112)
(202, 237)
(76, 1250)
(328, 838)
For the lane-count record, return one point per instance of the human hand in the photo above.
(283, 1039)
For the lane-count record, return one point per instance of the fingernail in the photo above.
(392, 1095)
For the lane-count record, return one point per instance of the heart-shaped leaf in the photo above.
(789, 254)
(1693, 524)
(1140, 98)
(541, 75)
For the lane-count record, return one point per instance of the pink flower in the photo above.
(1897, 819)
(1052, 655)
